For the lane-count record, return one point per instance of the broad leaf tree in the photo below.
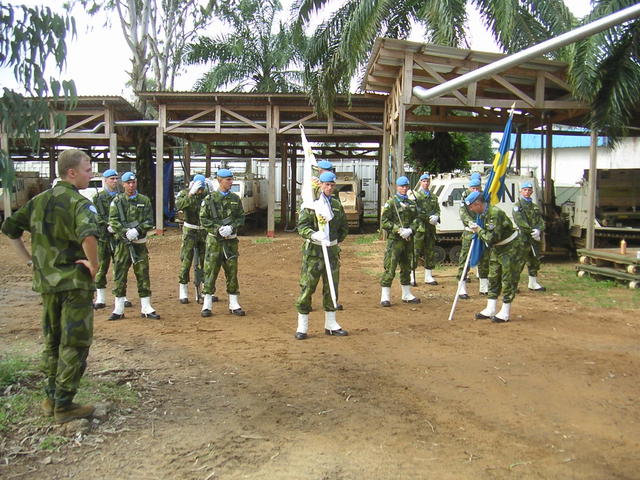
(256, 55)
(29, 37)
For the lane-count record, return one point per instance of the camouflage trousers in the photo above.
(221, 254)
(104, 260)
(483, 266)
(505, 266)
(67, 327)
(312, 269)
(531, 259)
(121, 263)
(423, 245)
(398, 252)
(191, 239)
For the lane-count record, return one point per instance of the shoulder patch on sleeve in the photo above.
(92, 208)
(515, 209)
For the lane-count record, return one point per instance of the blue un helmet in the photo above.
(199, 178)
(475, 182)
(472, 197)
(527, 184)
(402, 181)
(127, 176)
(327, 177)
(110, 173)
(224, 173)
(425, 176)
(325, 165)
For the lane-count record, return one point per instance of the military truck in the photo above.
(449, 187)
(26, 185)
(350, 192)
(617, 214)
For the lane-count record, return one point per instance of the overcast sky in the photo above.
(98, 58)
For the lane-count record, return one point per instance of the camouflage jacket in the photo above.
(102, 200)
(408, 212)
(527, 216)
(428, 205)
(59, 219)
(497, 226)
(308, 224)
(137, 211)
(466, 215)
(190, 205)
(217, 210)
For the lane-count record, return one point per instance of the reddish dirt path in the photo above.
(408, 394)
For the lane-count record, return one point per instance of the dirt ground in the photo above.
(408, 394)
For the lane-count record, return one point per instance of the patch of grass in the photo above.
(373, 273)
(365, 253)
(19, 377)
(52, 442)
(562, 279)
(263, 240)
(95, 389)
(14, 369)
(366, 239)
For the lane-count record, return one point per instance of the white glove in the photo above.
(473, 226)
(535, 234)
(132, 234)
(405, 232)
(225, 230)
(195, 186)
(319, 237)
(433, 219)
(110, 229)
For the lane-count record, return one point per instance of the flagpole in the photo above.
(462, 279)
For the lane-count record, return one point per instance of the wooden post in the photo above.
(187, 160)
(113, 151)
(383, 174)
(284, 145)
(593, 179)
(159, 180)
(519, 152)
(548, 183)
(294, 186)
(4, 146)
(271, 192)
(207, 166)
(52, 164)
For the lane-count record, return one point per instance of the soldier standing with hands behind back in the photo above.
(131, 218)
(64, 234)
(221, 214)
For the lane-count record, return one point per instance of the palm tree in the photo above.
(251, 57)
(605, 71)
(341, 44)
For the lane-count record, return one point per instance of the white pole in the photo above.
(529, 53)
(462, 279)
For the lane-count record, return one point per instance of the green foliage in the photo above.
(366, 239)
(15, 369)
(262, 240)
(52, 442)
(340, 45)
(251, 57)
(29, 37)
(18, 376)
(437, 152)
(605, 71)
(479, 146)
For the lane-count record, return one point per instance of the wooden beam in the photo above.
(244, 119)
(191, 118)
(159, 180)
(295, 123)
(515, 90)
(439, 78)
(357, 120)
(80, 123)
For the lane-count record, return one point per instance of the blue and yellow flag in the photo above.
(494, 187)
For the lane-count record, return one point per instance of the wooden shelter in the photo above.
(260, 123)
(538, 90)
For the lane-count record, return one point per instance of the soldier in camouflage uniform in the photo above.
(506, 260)
(326, 224)
(528, 218)
(468, 217)
(425, 238)
(131, 218)
(106, 242)
(64, 236)
(221, 214)
(194, 236)
(399, 220)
